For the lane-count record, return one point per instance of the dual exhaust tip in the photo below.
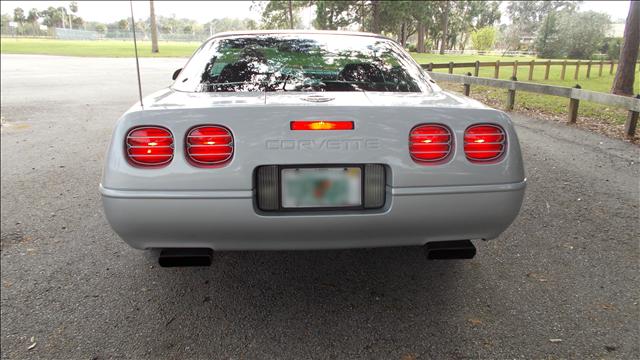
(438, 250)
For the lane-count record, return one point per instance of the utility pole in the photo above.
(154, 28)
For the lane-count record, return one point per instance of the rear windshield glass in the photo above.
(320, 62)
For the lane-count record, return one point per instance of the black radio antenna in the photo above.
(135, 46)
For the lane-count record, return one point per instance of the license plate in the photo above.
(321, 187)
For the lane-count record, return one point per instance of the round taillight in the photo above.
(149, 146)
(484, 142)
(430, 143)
(209, 145)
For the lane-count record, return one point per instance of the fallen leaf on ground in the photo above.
(537, 276)
(474, 321)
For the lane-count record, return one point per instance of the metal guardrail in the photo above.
(575, 95)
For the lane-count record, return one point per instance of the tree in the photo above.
(530, 14)
(623, 81)
(5, 19)
(123, 25)
(423, 14)
(154, 28)
(18, 15)
(548, 42)
(73, 7)
(52, 17)
(375, 17)
(483, 39)
(62, 13)
(332, 14)
(282, 14)
(582, 33)
(101, 28)
(32, 18)
(445, 23)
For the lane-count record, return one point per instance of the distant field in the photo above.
(548, 104)
(102, 48)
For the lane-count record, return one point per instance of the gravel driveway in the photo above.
(562, 282)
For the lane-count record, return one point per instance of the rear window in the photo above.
(315, 62)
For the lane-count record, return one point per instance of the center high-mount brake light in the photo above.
(322, 125)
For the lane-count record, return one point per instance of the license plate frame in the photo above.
(318, 167)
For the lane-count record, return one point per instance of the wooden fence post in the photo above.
(531, 65)
(546, 70)
(600, 70)
(450, 67)
(497, 72)
(476, 71)
(564, 70)
(573, 108)
(515, 69)
(611, 67)
(575, 76)
(467, 87)
(511, 96)
(589, 69)
(631, 123)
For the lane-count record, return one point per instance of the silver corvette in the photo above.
(309, 140)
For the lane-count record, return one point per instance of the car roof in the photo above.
(295, 32)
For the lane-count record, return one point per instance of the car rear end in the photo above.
(312, 170)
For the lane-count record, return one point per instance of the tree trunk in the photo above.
(403, 37)
(623, 82)
(420, 44)
(331, 14)
(154, 28)
(445, 25)
(362, 16)
(290, 14)
(375, 20)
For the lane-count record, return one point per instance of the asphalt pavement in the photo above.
(561, 282)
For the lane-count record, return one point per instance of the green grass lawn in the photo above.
(545, 103)
(552, 104)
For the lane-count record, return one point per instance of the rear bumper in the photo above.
(228, 220)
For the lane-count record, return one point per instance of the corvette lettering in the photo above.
(326, 144)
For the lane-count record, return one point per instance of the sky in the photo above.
(204, 11)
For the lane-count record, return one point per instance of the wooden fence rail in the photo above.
(515, 65)
(575, 95)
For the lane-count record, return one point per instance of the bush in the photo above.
(611, 47)
(483, 39)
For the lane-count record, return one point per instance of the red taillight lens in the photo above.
(484, 142)
(429, 143)
(209, 145)
(150, 146)
(322, 125)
